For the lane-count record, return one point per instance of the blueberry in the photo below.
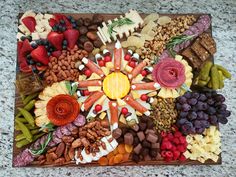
(63, 28)
(29, 38)
(45, 42)
(54, 28)
(35, 70)
(74, 25)
(39, 64)
(32, 62)
(22, 38)
(49, 53)
(64, 47)
(28, 57)
(39, 42)
(51, 49)
(64, 42)
(62, 22)
(69, 17)
(60, 28)
(34, 45)
(72, 20)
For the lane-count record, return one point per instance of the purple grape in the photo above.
(200, 114)
(210, 101)
(223, 107)
(178, 106)
(205, 116)
(182, 100)
(208, 95)
(217, 104)
(200, 130)
(220, 98)
(187, 95)
(197, 123)
(192, 116)
(211, 110)
(223, 120)
(213, 120)
(183, 114)
(182, 121)
(192, 101)
(186, 107)
(202, 97)
(227, 113)
(195, 95)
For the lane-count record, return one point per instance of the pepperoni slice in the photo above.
(62, 109)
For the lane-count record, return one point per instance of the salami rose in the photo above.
(169, 73)
(62, 109)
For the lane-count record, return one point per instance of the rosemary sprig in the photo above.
(176, 40)
(42, 146)
(118, 23)
(48, 127)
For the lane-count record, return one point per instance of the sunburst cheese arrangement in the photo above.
(108, 89)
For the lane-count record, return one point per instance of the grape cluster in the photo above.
(198, 110)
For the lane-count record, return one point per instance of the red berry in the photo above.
(132, 64)
(144, 73)
(181, 148)
(170, 136)
(86, 92)
(101, 63)
(163, 153)
(168, 159)
(176, 154)
(98, 107)
(182, 158)
(87, 72)
(176, 140)
(127, 57)
(107, 58)
(163, 134)
(177, 134)
(165, 139)
(173, 148)
(124, 111)
(168, 145)
(144, 97)
(169, 154)
(182, 140)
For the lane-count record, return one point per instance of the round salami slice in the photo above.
(186, 44)
(195, 30)
(188, 32)
(200, 26)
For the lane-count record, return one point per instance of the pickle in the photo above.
(30, 97)
(24, 130)
(204, 73)
(215, 78)
(27, 107)
(221, 79)
(27, 116)
(224, 71)
(21, 119)
(209, 84)
(202, 83)
(22, 143)
(22, 136)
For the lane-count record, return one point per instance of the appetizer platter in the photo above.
(117, 89)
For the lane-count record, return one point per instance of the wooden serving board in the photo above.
(18, 103)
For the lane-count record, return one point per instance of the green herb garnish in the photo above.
(176, 40)
(49, 127)
(42, 146)
(118, 23)
(185, 87)
(71, 89)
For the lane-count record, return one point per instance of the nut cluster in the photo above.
(63, 67)
(164, 114)
(163, 34)
(88, 136)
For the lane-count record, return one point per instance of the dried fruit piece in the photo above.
(103, 161)
(128, 148)
(126, 157)
(118, 158)
(164, 20)
(62, 109)
(151, 17)
(111, 161)
(121, 149)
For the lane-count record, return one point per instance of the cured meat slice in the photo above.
(117, 56)
(145, 86)
(195, 30)
(113, 106)
(86, 83)
(136, 105)
(200, 26)
(138, 69)
(93, 67)
(91, 100)
(62, 109)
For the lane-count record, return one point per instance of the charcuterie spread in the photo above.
(128, 89)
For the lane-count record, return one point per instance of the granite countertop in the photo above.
(224, 31)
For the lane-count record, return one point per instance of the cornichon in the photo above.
(25, 130)
(224, 71)
(24, 142)
(27, 107)
(30, 97)
(22, 119)
(215, 78)
(221, 79)
(27, 116)
(22, 136)
(204, 73)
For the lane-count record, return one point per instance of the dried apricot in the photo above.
(128, 148)
(111, 154)
(103, 161)
(115, 151)
(111, 161)
(121, 149)
(126, 157)
(118, 158)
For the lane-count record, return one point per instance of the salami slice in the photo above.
(200, 26)
(195, 30)
(188, 32)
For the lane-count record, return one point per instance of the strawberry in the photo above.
(56, 54)
(25, 68)
(59, 17)
(40, 55)
(56, 39)
(26, 48)
(41, 68)
(52, 22)
(71, 35)
(30, 23)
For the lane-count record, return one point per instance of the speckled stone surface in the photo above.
(224, 31)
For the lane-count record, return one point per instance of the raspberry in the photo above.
(173, 148)
(169, 154)
(182, 158)
(163, 134)
(177, 134)
(170, 136)
(176, 155)
(176, 141)
(182, 140)
(163, 153)
(181, 148)
(168, 144)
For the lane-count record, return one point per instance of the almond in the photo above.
(60, 149)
